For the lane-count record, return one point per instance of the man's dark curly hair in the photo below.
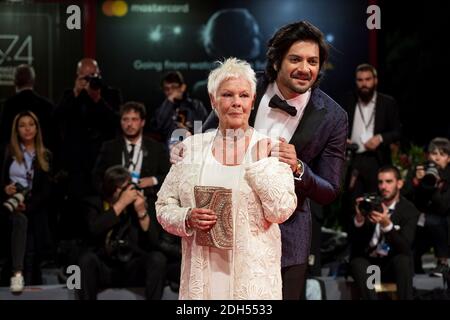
(285, 37)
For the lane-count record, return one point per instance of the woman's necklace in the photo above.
(230, 148)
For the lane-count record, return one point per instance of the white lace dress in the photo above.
(263, 198)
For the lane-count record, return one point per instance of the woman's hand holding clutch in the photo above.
(201, 219)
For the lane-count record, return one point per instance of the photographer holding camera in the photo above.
(429, 189)
(178, 110)
(123, 240)
(382, 234)
(148, 163)
(25, 181)
(86, 117)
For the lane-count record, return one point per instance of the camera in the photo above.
(431, 177)
(135, 186)
(117, 245)
(370, 202)
(352, 148)
(19, 197)
(95, 81)
(121, 250)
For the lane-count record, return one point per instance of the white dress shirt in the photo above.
(275, 122)
(376, 237)
(363, 125)
(18, 171)
(136, 161)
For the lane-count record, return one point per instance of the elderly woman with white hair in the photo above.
(236, 160)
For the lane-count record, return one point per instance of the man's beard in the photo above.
(390, 196)
(366, 95)
(302, 76)
(132, 136)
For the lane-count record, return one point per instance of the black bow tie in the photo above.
(277, 103)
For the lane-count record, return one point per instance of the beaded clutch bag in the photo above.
(217, 199)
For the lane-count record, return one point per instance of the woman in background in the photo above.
(25, 181)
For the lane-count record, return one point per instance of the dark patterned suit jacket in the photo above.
(320, 141)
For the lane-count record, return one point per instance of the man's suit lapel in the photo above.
(379, 115)
(121, 147)
(396, 215)
(312, 117)
(146, 158)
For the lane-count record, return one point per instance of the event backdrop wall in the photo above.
(140, 41)
(137, 41)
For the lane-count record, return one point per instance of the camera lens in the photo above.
(12, 203)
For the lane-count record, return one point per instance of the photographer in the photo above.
(429, 189)
(123, 239)
(86, 117)
(25, 182)
(178, 110)
(382, 234)
(148, 162)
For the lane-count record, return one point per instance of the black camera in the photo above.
(370, 202)
(117, 245)
(95, 81)
(121, 250)
(431, 177)
(19, 197)
(352, 148)
(135, 186)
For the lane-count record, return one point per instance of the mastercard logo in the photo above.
(115, 8)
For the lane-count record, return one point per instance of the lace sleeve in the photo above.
(273, 181)
(169, 212)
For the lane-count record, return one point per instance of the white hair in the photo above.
(231, 68)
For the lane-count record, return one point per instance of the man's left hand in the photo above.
(285, 152)
(380, 217)
(146, 182)
(373, 143)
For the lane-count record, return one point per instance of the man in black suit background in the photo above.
(146, 160)
(384, 236)
(374, 124)
(26, 99)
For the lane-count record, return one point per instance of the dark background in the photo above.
(411, 52)
(123, 40)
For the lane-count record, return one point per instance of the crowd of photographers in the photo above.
(395, 219)
(79, 183)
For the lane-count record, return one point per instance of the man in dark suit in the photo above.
(311, 129)
(145, 158)
(148, 163)
(26, 99)
(383, 237)
(375, 124)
